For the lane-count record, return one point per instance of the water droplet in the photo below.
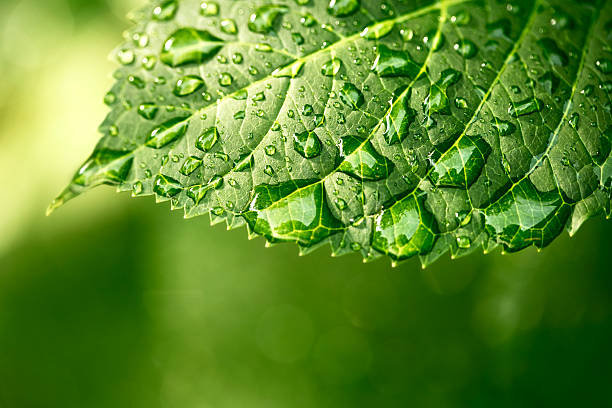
(574, 120)
(166, 186)
(605, 147)
(500, 28)
(361, 160)
(262, 20)
(209, 8)
(525, 107)
(149, 62)
(148, 110)
(340, 204)
(239, 115)
(297, 38)
(225, 79)
(525, 216)
(136, 81)
(126, 57)
(190, 165)
(417, 235)
(466, 48)
(504, 128)
(165, 11)
(561, 20)
(269, 171)
(207, 139)
(307, 144)
(137, 188)
(434, 40)
(190, 46)
(342, 8)
(553, 53)
(437, 100)
(307, 110)
(462, 164)
(352, 96)
(398, 120)
(290, 71)
(461, 103)
(378, 31)
(550, 82)
(262, 47)
(228, 26)
(331, 67)
(237, 58)
(604, 65)
(110, 98)
(393, 63)
(188, 85)
(167, 132)
(270, 150)
(464, 242)
(462, 18)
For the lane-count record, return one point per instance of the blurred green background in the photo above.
(116, 302)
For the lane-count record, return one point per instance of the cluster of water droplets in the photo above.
(410, 119)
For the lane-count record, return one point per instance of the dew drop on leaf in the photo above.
(307, 144)
(188, 85)
(207, 140)
(263, 19)
(167, 132)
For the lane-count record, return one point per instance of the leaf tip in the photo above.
(60, 200)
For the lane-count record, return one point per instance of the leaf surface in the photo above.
(399, 128)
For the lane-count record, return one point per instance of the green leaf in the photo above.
(404, 127)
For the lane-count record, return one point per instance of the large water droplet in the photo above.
(393, 63)
(104, 166)
(437, 100)
(188, 85)
(342, 8)
(417, 234)
(550, 82)
(466, 48)
(167, 132)
(361, 160)
(605, 146)
(398, 120)
(462, 164)
(207, 139)
(166, 186)
(352, 96)
(553, 53)
(525, 107)
(190, 46)
(293, 211)
(148, 110)
(262, 20)
(190, 165)
(290, 71)
(434, 40)
(331, 67)
(378, 31)
(307, 144)
(525, 216)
